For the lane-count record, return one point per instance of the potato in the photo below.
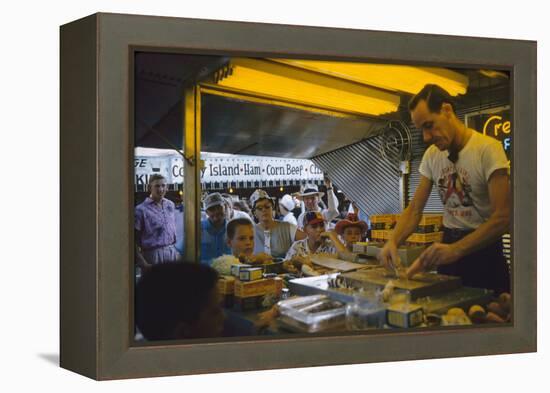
(492, 317)
(495, 308)
(505, 301)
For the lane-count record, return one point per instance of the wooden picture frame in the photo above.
(96, 195)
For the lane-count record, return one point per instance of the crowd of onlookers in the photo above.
(180, 300)
(292, 227)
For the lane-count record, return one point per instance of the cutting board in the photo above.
(335, 264)
(423, 284)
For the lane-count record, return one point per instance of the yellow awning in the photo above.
(281, 82)
(329, 86)
(402, 78)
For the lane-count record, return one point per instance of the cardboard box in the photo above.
(423, 238)
(226, 285)
(250, 295)
(431, 219)
(251, 274)
(409, 253)
(257, 288)
(382, 218)
(382, 221)
(426, 229)
(380, 235)
(360, 247)
(375, 235)
(405, 315)
(236, 269)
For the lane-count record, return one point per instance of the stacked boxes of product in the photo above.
(427, 232)
(250, 290)
(226, 286)
(382, 225)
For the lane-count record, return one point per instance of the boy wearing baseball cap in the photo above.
(318, 241)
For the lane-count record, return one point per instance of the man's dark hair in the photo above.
(172, 293)
(155, 176)
(233, 224)
(434, 96)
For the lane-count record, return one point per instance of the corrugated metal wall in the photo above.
(364, 175)
(418, 148)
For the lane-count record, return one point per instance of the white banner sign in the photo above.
(226, 168)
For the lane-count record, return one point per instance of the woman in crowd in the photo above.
(270, 236)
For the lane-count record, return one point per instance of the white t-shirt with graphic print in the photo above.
(463, 186)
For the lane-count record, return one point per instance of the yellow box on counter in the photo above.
(226, 285)
(382, 221)
(405, 315)
(237, 267)
(431, 219)
(382, 218)
(425, 237)
(376, 234)
(360, 247)
(258, 288)
(251, 274)
(381, 234)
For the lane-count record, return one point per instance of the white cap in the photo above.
(287, 202)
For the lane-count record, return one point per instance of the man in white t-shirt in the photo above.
(470, 171)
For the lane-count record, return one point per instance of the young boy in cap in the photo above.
(318, 241)
(351, 230)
